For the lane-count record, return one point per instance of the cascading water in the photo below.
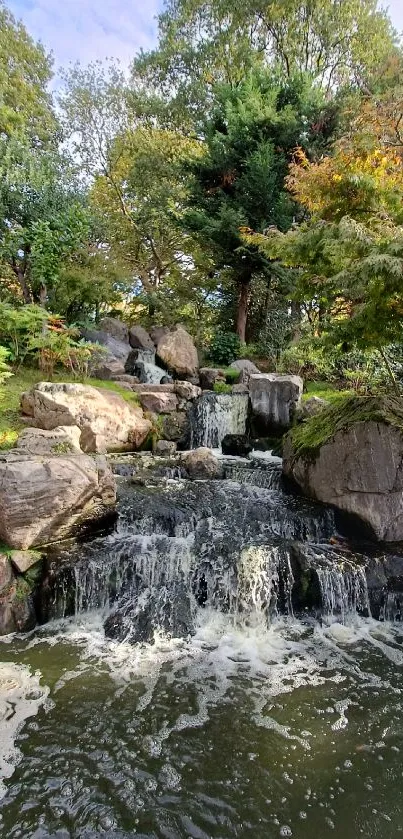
(228, 579)
(146, 369)
(216, 414)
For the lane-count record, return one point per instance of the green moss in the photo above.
(221, 387)
(308, 437)
(22, 588)
(232, 375)
(325, 390)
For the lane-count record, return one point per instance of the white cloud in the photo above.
(86, 30)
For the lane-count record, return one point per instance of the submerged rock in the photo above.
(201, 464)
(43, 499)
(237, 445)
(352, 458)
(139, 618)
(106, 421)
(275, 400)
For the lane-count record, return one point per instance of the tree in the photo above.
(43, 220)
(25, 71)
(349, 255)
(239, 182)
(202, 44)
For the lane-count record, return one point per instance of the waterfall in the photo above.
(142, 364)
(269, 477)
(216, 414)
(343, 585)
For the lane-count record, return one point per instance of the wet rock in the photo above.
(24, 560)
(23, 610)
(115, 328)
(138, 624)
(43, 499)
(60, 440)
(176, 428)
(359, 470)
(209, 376)
(201, 464)
(139, 338)
(312, 407)
(246, 370)
(106, 421)
(275, 400)
(178, 353)
(165, 448)
(187, 391)
(237, 445)
(157, 402)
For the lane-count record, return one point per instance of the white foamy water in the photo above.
(21, 696)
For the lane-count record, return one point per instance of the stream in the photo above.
(211, 668)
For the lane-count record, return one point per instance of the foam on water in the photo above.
(21, 696)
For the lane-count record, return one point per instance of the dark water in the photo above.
(253, 728)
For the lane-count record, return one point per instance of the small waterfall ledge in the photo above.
(214, 415)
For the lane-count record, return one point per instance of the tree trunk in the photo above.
(26, 293)
(242, 310)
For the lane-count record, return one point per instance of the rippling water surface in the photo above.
(295, 730)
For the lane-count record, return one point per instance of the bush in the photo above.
(221, 387)
(4, 369)
(225, 347)
(308, 359)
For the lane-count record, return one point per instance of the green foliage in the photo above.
(5, 371)
(225, 347)
(222, 387)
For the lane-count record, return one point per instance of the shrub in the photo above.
(225, 347)
(221, 387)
(4, 369)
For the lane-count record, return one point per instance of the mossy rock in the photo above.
(308, 437)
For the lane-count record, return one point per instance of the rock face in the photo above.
(209, 376)
(109, 370)
(43, 499)
(105, 420)
(158, 332)
(360, 471)
(187, 391)
(140, 339)
(178, 353)
(61, 440)
(116, 328)
(275, 400)
(158, 403)
(246, 370)
(115, 349)
(201, 464)
(236, 445)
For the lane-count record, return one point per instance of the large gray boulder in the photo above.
(275, 400)
(106, 421)
(112, 349)
(116, 328)
(44, 499)
(178, 353)
(140, 339)
(358, 468)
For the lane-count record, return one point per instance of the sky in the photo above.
(86, 30)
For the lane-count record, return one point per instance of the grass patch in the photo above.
(325, 390)
(10, 394)
(308, 437)
(221, 387)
